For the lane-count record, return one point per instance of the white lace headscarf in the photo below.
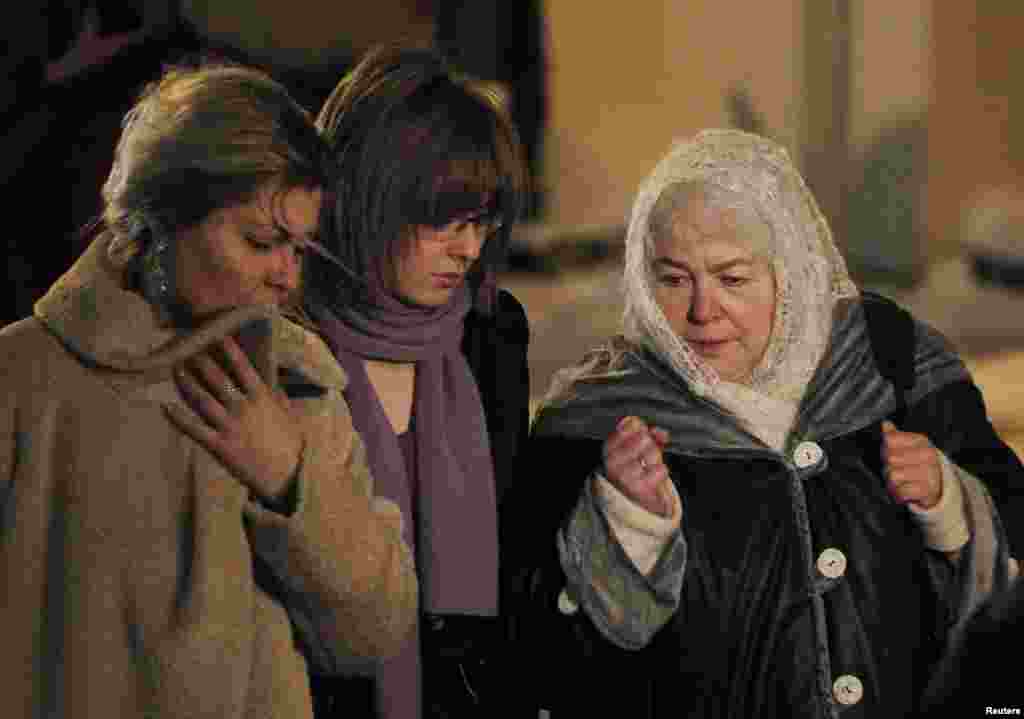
(810, 275)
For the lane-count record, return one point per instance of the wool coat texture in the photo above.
(138, 576)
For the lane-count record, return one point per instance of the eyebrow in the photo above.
(719, 267)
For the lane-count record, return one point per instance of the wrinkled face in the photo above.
(246, 254)
(717, 293)
(433, 261)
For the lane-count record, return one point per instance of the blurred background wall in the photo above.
(904, 117)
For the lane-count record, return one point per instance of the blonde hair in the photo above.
(201, 139)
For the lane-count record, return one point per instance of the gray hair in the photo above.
(753, 228)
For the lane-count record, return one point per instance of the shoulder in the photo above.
(507, 319)
(28, 349)
(21, 335)
(510, 310)
(899, 339)
(886, 317)
(38, 373)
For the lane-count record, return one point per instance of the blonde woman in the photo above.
(187, 521)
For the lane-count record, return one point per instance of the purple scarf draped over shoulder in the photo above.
(451, 514)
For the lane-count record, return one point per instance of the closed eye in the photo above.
(259, 245)
(674, 280)
(734, 280)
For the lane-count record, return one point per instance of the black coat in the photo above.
(495, 346)
(759, 631)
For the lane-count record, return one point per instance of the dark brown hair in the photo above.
(413, 143)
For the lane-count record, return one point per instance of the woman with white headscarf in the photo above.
(771, 495)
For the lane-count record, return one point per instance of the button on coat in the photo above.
(807, 454)
(832, 563)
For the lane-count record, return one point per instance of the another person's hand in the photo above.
(913, 469)
(245, 423)
(634, 464)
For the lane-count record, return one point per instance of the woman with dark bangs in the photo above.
(429, 175)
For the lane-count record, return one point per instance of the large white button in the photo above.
(566, 605)
(832, 563)
(847, 689)
(807, 454)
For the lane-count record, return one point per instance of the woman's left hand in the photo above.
(247, 424)
(913, 470)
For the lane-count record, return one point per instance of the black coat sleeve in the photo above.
(563, 659)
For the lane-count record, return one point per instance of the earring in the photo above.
(156, 271)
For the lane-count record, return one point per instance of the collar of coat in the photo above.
(114, 329)
(846, 393)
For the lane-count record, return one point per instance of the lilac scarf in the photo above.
(451, 514)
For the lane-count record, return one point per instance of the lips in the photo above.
(708, 346)
(448, 280)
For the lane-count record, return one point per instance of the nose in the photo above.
(468, 242)
(703, 304)
(287, 267)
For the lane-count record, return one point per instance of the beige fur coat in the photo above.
(138, 578)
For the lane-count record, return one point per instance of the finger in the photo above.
(199, 398)
(631, 424)
(191, 425)
(660, 437)
(629, 452)
(911, 490)
(216, 380)
(925, 479)
(641, 485)
(888, 426)
(639, 475)
(897, 439)
(653, 470)
(241, 366)
(923, 457)
(626, 433)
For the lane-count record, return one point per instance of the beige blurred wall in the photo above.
(974, 141)
(628, 77)
(890, 64)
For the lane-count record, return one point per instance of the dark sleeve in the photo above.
(955, 419)
(982, 672)
(562, 657)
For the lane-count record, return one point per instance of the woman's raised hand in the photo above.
(243, 421)
(634, 464)
(913, 470)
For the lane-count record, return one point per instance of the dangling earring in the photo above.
(156, 271)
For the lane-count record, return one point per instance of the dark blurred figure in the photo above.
(504, 43)
(71, 72)
(981, 677)
(982, 674)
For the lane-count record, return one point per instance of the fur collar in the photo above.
(108, 326)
